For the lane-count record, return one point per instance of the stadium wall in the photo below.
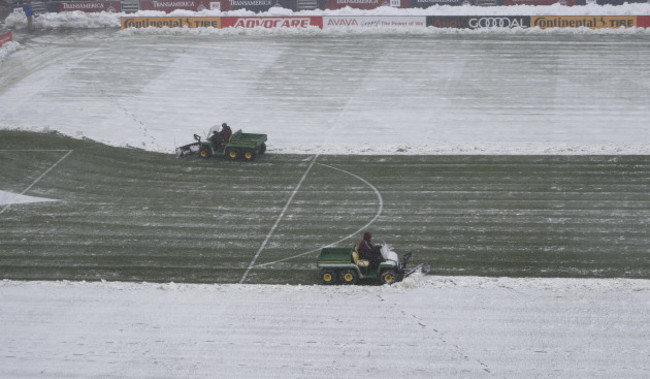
(295, 5)
(352, 22)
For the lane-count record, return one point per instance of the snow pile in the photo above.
(448, 327)
(7, 49)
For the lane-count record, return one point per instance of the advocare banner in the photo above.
(291, 22)
(479, 22)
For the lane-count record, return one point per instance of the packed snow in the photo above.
(424, 327)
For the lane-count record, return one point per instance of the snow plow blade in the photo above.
(423, 267)
(187, 150)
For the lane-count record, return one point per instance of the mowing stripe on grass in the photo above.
(379, 210)
(286, 206)
(3, 210)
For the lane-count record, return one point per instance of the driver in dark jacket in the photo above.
(369, 251)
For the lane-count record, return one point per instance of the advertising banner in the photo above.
(171, 5)
(4, 38)
(330, 22)
(591, 22)
(170, 22)
(643, 21)
(479, 22)
(428, 3)
(90, 6)
(272, 22)
(540, 2)
(359, 4)
(255, 5)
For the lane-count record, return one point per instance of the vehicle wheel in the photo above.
(249, 155)
(349, 277)
(204, 152)
(328, 276)
(232, 154)
(388, 277)
(263, 148)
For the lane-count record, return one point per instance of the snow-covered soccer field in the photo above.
(445, 92)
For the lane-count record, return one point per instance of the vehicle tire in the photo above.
(328, 277)
(262, 148)
(388, 277)
(349, 277)
(204, 152)
(249, 155)
(232, 154)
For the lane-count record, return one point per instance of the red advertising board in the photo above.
(90, 6)
(272, 22)
(643, 21)
(171, 5)
(5, 38)
(539, 2)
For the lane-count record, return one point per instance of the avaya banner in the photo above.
(4, 38)
(90, 6)
(255, 5)
(272, 22)
(330, 22)
(170, 22)
(359, 4)
(171, 5)
(592, 22)
(478, 22)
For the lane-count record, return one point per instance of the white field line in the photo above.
(286, 206)
(40, 177)
(379, 210)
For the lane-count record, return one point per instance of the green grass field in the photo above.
(131, 215)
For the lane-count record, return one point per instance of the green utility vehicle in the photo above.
(246, 146)
(343, 266)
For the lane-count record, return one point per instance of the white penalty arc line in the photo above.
(38, 179)
(379, 211)
(277, 222)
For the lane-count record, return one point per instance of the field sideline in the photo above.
(131, 215)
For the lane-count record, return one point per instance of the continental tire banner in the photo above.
(90, 6)
(4, 38)
(170, 22)
(478, 22)
(333, 22)
(272, 22)
(591, 22)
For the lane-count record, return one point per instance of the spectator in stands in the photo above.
(29, 13)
